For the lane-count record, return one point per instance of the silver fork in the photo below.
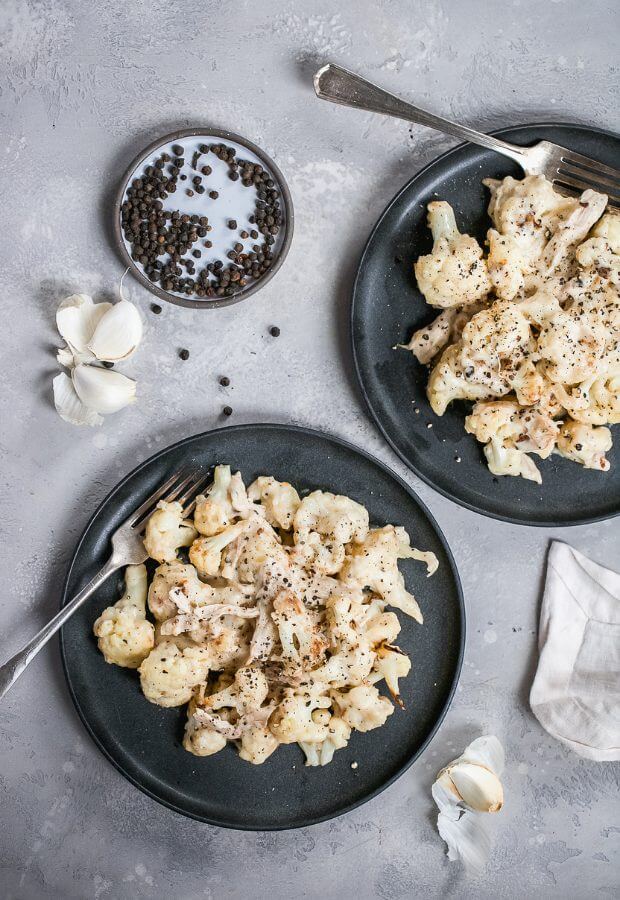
(127, 550)
(570, 171)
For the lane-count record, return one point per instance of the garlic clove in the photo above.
(103, 390)
(69, 406)
(76, 319)
(479, 788)
(118, 333)
(464, 790)
(65, 357)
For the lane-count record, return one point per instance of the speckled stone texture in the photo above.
(83, 86)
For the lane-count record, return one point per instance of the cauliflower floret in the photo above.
(390, 664)
(206, 552)
(448, 381)
(486, 361)
(324, 523)
(374, 564)
(585, 444)
(200, 739)
(608, 228)
(214, 511)
(510, 461)
(382, 628)
(528, 211)
(557, 254)
(299, 717)
(247, 692)
(298, 630)
(166, 531)
(323, 753)
(256, 545)
(505, 264)
(228, 639)
(169, 675)
(425, 343)
(455, 273)
(257, 744)
(279, 499)
(573, 346)
(363, 708)
(167, 577)
(594, 402)
(124, 636)
(513, 426)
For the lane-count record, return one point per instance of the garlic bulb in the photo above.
(94, 331)
(101, 389)
(117, 334)
(464, 790)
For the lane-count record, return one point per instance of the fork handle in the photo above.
(13, 668)
(338, 85)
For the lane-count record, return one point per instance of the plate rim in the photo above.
(349, 446)
(374, 414)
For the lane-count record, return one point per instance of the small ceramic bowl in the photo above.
(234, 202)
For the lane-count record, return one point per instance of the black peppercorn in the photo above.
(227, 411)
(155, 308)
(184, 354)
(224, 381)
(214, 195)
(232, 224)
(274, 331)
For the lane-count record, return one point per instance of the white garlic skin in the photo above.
(102, 389)
(117, 334)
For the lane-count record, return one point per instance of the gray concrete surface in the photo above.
(82, 87)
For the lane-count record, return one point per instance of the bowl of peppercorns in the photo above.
(203, 218)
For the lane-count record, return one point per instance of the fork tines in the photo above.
(580, 173)
(183, 486)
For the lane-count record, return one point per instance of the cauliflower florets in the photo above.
(167, 578)
(594, 402)
(258, 544)
(247, 692)
(455, 273)
(206, 552)
(214, 510)
(374, 564)
(486, 362)
(166, 531)
(608, 228)
(124, 636)
(363, 707)
(300, 717)
(585, 444)
(298, 629)
(321, 754)
(169, 675)
(200, 739)
(390, 665)
(324, 523)
(509, 431)
(279, 499)
(257, 744)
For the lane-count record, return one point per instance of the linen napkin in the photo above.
(576, 691)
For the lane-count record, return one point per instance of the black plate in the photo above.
(386, 309)
(144, 741)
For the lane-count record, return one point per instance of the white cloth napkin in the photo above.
(576, 691)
